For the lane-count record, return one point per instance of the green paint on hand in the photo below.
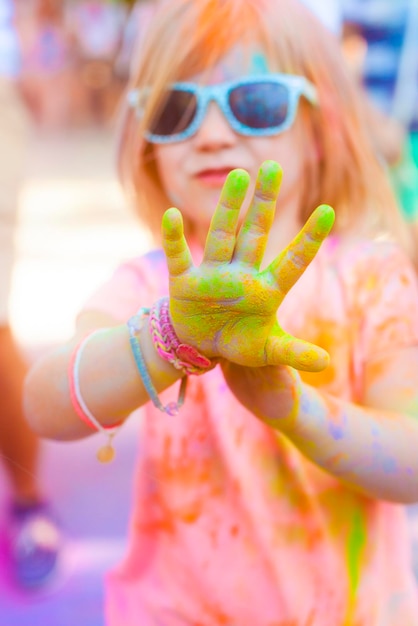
(326, 217)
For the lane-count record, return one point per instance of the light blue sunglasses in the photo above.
(255, 106)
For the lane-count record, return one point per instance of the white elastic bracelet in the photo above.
(105, 453)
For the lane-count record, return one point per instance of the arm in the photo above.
(213, 307)
(371, 447)
(110, 384)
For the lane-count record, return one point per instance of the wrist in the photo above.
(273, 393)
(108, 378)
(170, 348)
(285, 411)
(86, 391)
(162, 372)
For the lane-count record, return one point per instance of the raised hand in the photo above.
(227, 307)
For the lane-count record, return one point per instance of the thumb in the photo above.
(284, 349)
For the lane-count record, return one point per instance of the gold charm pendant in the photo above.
(106, 453)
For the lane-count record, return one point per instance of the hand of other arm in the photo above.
(372, 447)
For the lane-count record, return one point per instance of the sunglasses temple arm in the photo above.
(310, 92)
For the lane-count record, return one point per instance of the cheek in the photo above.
(168, 160)
(277, 148)
(163, 159)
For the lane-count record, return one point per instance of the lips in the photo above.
(213, 177)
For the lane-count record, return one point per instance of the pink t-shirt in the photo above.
(231, 524)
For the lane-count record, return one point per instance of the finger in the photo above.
(220, 242)
(289, 266)
(177, 252)
(252, 238)
(302, 355)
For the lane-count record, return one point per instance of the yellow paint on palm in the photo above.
(226, 307)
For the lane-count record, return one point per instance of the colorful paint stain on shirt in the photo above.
(231, 524)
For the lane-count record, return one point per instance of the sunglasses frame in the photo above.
(297, 86)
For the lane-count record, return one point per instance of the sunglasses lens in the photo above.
(260, 105)
(176, 113)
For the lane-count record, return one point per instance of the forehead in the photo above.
(238, 62)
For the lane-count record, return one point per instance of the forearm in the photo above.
(371, 450)
(109, 382)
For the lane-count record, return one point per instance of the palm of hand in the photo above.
(220, 308)
(227, 307)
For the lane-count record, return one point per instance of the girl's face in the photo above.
(193, 171)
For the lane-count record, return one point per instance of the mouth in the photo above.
(213, 177)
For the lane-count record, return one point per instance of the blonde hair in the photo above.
(186, 37)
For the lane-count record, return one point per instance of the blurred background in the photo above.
(75, 59)
(74, 228)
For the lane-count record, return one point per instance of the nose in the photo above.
(215, 131)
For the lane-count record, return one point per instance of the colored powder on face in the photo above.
(241, 59)
(259, 63)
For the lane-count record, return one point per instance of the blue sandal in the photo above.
(34, 544)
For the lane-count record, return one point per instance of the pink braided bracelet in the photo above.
(181, 355)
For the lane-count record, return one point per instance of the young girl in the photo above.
(269, 492)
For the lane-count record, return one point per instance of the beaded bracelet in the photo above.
(135, 325)
(181, 355)
(106, 453)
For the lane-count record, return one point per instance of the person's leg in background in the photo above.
(32, 538)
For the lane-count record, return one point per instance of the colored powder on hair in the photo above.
(219, 27)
